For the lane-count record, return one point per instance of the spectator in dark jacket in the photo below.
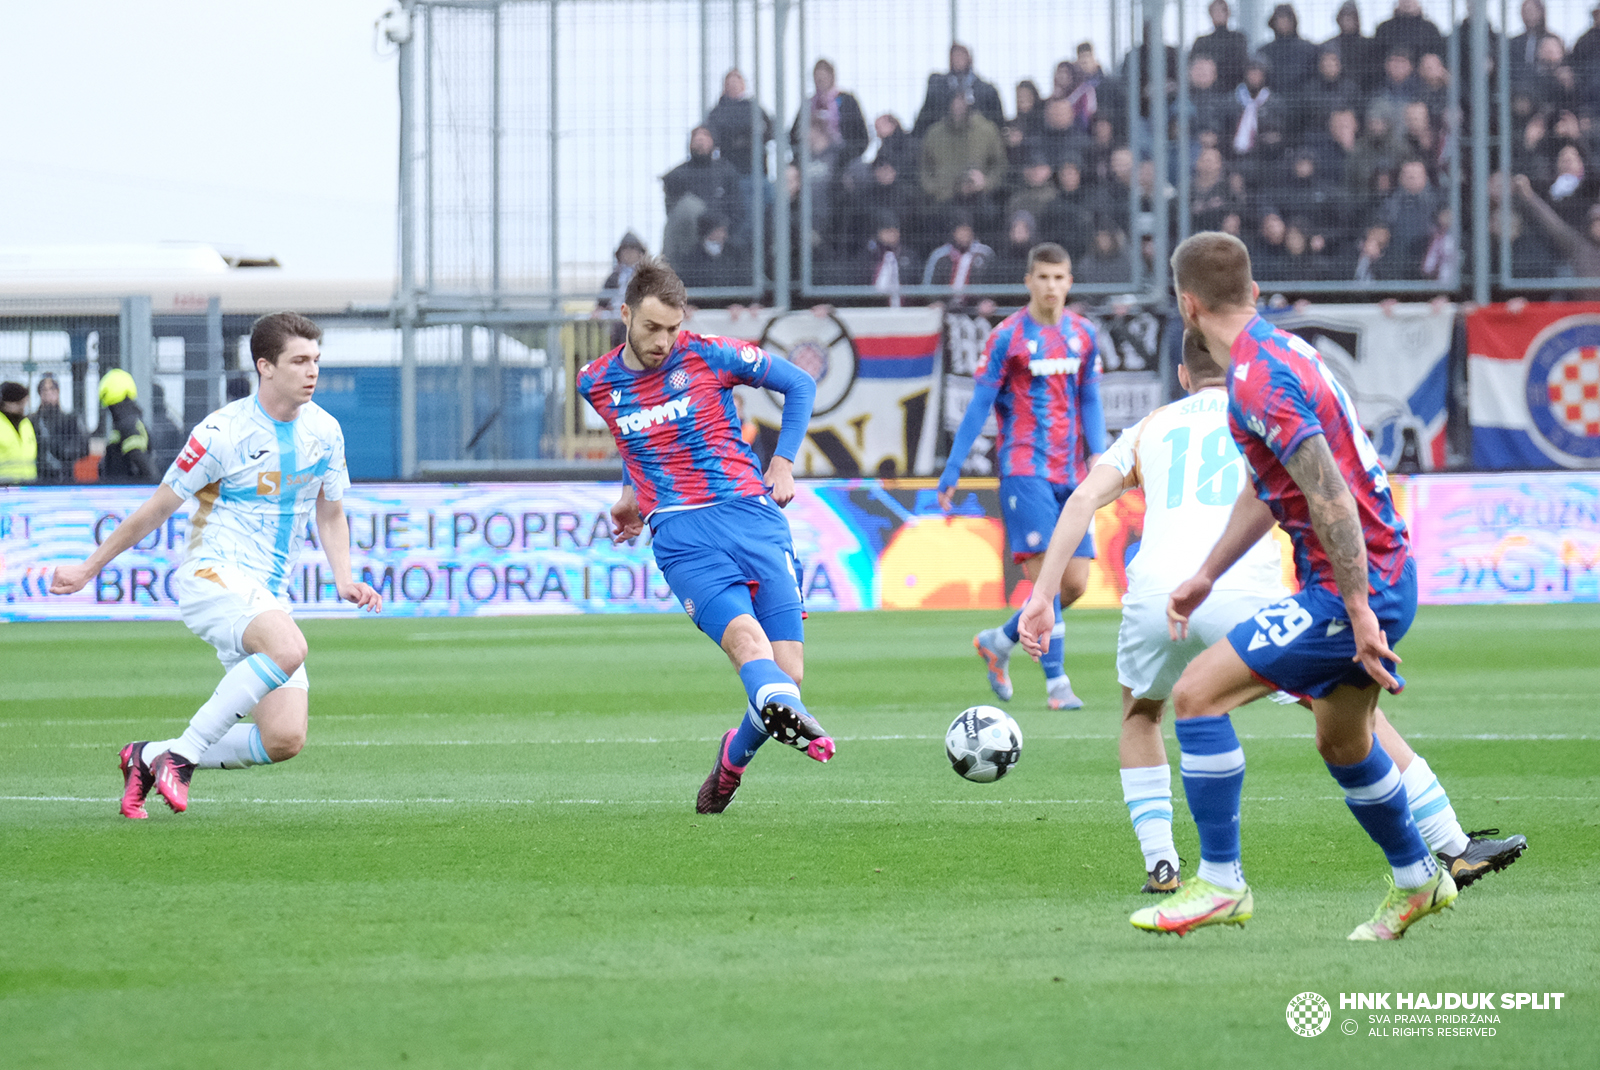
(1408, 29)
(1261, 119)
(838, 113)
(1011, 259)
(960, 262)
(959, 80)
(1327, 92)
(716, 260)
(1408, 213)
(62, 439)
(1525, 46)
(1292, 57)
(1059, 135)
(1069, 218)
(1585, 54)
(1226, 48)
(886, 263)
(896, 144)
(702, 183)
(1211, 105)
(734, 122)
(1357, 54)
(1106, 261)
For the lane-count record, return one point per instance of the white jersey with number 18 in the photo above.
(1184, 457)
(256, 482)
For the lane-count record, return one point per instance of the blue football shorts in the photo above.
(732, 558)
(1303, 643)
(1031, 505)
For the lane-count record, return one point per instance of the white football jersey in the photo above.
(256, 482)
(1184, 457)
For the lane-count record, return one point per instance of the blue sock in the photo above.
(1009, 628)
(1052, 658)
(1213, 782)
(747, 739)
(764, 681)
(1377, 798)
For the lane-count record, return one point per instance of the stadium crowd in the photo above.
(1331, 160)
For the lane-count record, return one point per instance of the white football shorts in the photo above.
(218, 602)
(1149, 662)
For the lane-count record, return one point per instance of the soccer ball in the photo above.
(983, 744)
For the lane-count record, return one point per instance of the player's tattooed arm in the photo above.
(1337, 525)
(1333, 515)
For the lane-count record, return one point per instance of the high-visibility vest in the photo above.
(19, 451)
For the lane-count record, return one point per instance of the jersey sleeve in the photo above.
(1123, 453)
(198, 464)
(735, 361)
(1277, 411)
(336, 480)
(991, 368)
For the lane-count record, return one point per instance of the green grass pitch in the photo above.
(488, 857)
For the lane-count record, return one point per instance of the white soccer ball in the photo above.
(983, 744)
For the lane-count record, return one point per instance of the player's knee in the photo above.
(1188, 698)
(1343, 748)
(284, 744)
(288, 652)
(1072, 589)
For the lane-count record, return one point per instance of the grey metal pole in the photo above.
(1453, 131)
(734, 29)
(468, 400)
(780, 224)
(1478, 14)
(429, 249)
(1185, 163)
(495, 131)
(955, 9)
(705, 68)
(1135, 104)
(758, 157)
(1503, 70)
(1156, 35)
(1252, 23)
(555, 161)
(137, 347)
(216, 380)
(408, 254)
(805, 159)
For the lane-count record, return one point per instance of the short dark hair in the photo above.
(1215, 268)
(654, 277)
(1198, 359)
(270, 333)
(11, 393)
(1048, 252)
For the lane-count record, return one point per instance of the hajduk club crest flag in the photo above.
(1535, 385)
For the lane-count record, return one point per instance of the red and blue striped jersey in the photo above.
(1280, 393)
(676, 426)
(1041, 374)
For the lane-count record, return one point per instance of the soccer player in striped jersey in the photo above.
(1040, 371)
(717, 529)
(1314, 472)
(1184, 458)
(258, 468)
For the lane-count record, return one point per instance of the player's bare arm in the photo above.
(1103, 486)
(1338, 528)
(334, 530)
(626, 523)
(69, 579)
(1249, 522)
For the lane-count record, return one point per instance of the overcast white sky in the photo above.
(266, 126)
(271, 127)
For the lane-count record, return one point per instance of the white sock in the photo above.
(1416, 874)
(1431, 810)
(1000, 641)
(246, 684)
(155, 748)
(1229, 875)
(1148, 793)
(239, 748)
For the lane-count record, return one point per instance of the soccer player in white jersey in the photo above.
(1185, 459)
(257, 468)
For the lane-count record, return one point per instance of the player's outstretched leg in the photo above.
(1375, 795)
(1212, 763)
(994, 646)
(776, 698)
(245, 685)
(239, 748)
(136, 781)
